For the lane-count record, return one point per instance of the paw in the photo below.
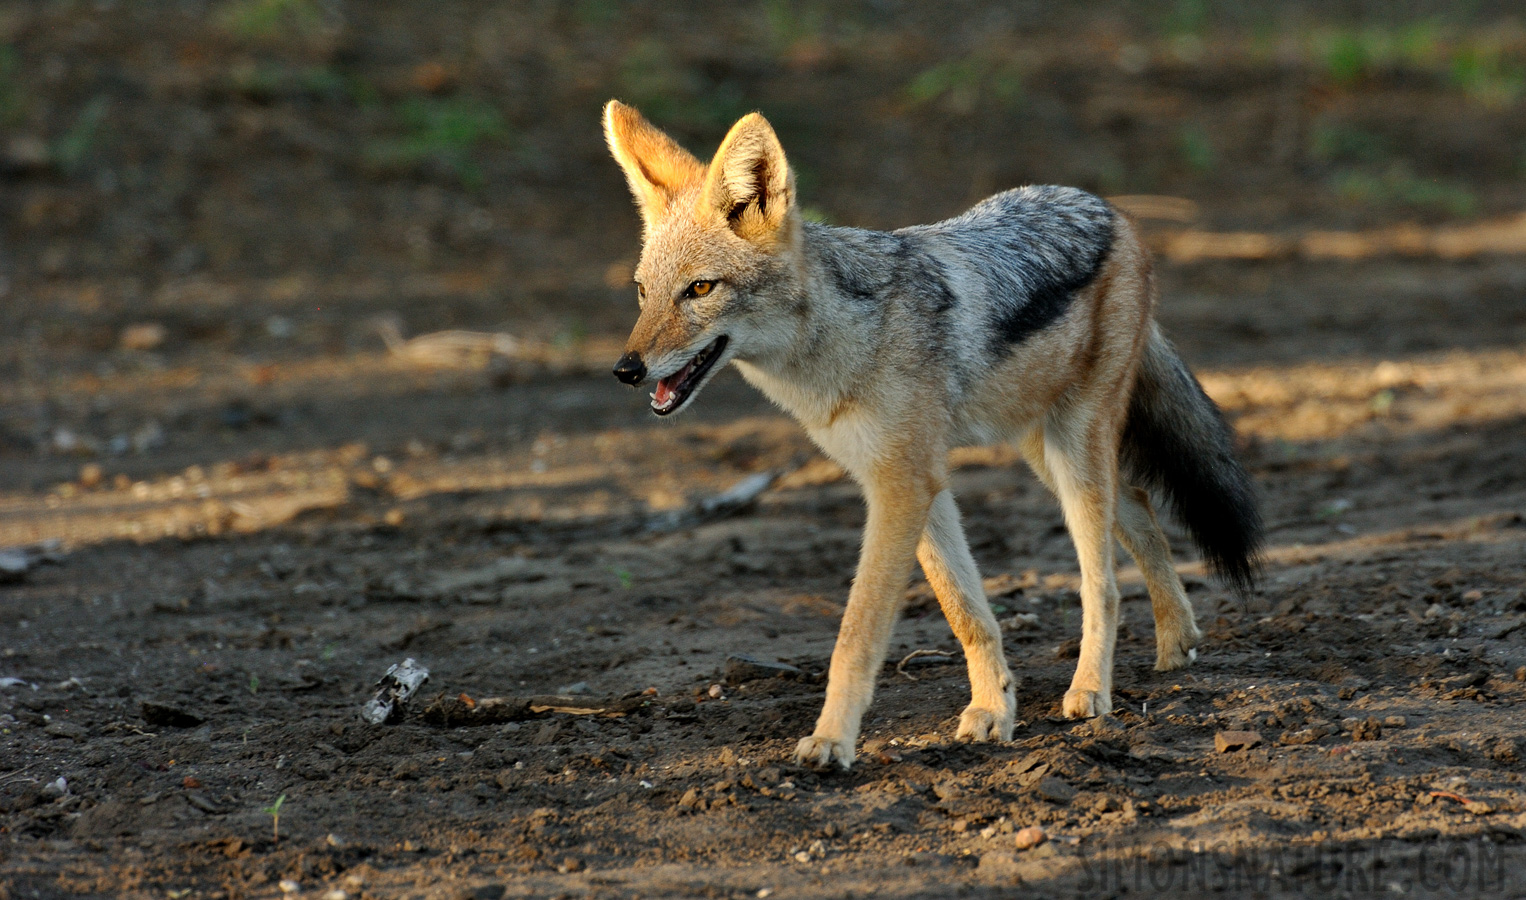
(1176, 651)
(1081, 704)
(821, 752)
(977, 723)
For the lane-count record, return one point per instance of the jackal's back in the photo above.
(1032, 249)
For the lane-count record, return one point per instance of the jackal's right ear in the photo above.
(656, 167)
(750, 183)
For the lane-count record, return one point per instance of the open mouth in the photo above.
(673, 390)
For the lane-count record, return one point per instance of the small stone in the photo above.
(1023, 621)
(577, 687)
(1473, 596)
(67, 730)
(1520, 674)
(1054, 790)
(288, 886)
(947, 790)
(336, 894)
(91, 475)
(1478, 807)
(1029, 837)
(715, 692)
(1302, 736)
(1395, 722)
(1231, 741)
(571, 864)
(802, 857)
(143, 336)
(1369, 729)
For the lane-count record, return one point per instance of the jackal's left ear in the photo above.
(750, 182)
(656, 167)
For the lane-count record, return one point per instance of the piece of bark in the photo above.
(451, 712)
(394, 691)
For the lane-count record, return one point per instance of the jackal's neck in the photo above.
(836, 298)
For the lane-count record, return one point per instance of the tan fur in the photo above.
(880, 414)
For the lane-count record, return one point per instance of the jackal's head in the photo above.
(722, 244)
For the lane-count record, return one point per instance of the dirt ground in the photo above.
(241, 507)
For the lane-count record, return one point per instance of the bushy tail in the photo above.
(1177, 442)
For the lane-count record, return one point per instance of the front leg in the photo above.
(946, 560)
(899, 493)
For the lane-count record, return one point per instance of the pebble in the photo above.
(1029, 837)
(67, 730)
(715, 692)
(143, 336)
(1369, 729)
(1231, 741)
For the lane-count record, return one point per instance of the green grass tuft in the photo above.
(444, 132)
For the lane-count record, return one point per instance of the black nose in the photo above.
(630, 369)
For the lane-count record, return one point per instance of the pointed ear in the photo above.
(656, 167)
(749, 182)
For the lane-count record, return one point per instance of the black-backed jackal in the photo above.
(1026, 319)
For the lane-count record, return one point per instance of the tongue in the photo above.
(664, 393)
(667, 387)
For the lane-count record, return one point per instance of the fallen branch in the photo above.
(451, 712)
(900, 667)
(446, 348)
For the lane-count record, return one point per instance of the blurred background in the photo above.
(216, 214)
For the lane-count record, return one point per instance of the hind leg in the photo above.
(1176, 631)
(950, 569)
(1083, 473)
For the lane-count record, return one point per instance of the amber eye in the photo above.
(700, 288)
(640, 291)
